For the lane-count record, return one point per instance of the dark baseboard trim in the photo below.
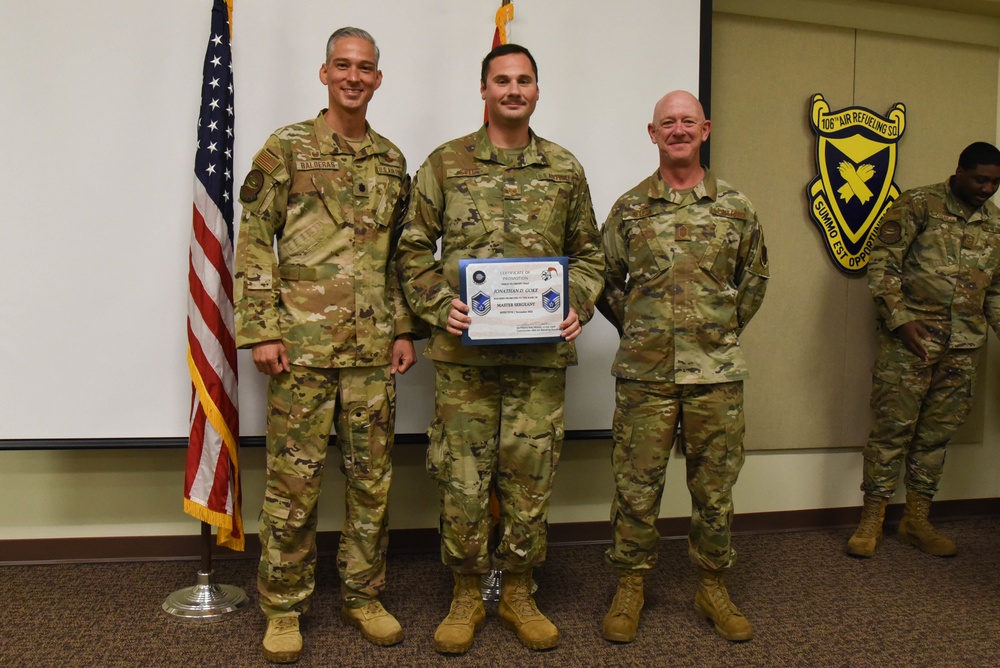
(245, 441)
(168, 548)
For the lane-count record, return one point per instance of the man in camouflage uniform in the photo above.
(501, 192)
(327, 322)
(686, 270)
(934, 274)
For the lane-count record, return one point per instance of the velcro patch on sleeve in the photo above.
(889, 232)
(251, 186)
(266, 161)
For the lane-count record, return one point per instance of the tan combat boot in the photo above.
(455, 634)
(374, 622)
(622, 621)
(519, 613)
(916, 529)
(711, 601)
(282, 640)
(868, 536)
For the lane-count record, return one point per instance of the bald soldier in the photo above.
(934, 274)
(685, 271)
(500, 192)
(327, 323)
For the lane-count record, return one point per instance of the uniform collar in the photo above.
(986, 212)
(707, 188)
(332, 143)
(485, 150)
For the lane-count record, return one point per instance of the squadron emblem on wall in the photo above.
(855, 163)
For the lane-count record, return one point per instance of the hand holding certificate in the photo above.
(522, 300)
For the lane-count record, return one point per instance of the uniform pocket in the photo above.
(301, 242)
(887, 373)
(438, 461)
(646, 255)
(719, 258)
(357, 450)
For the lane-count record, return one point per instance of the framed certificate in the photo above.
(520, 300)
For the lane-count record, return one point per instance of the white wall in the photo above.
(138, 492)
(98, 121)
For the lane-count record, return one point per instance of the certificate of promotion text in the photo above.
(519, 300)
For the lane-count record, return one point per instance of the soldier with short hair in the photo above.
(501, 192)
(934, 274)
(686, 270)
(327, 322)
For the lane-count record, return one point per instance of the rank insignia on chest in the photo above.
(856, 152)
(511, 190)
(682, 233)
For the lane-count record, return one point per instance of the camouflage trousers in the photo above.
(303, 404)
(502, 426)
(918, 408)
(645, 423)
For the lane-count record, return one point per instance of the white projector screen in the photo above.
(98, 119)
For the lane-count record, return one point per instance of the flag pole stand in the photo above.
(492, 580)
(206, 601)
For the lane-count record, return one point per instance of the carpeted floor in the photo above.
(810, 605)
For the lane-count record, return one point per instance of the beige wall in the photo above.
(809, 348)
(813, 342)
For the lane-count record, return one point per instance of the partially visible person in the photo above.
(501, 192)
(934, 274)
(686, 270)
(327, 322)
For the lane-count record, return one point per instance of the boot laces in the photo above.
(868, 528)
(922, 515)
(720, 598)
(628, 593)
(285, 625)
(373, 609)
(520, 600)
(462, 606)
(870, 521)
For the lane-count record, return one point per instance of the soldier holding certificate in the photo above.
(501, 192)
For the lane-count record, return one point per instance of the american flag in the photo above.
(212, 478)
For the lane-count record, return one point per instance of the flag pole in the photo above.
(206, 601)
(212, 483)
(489, 587)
